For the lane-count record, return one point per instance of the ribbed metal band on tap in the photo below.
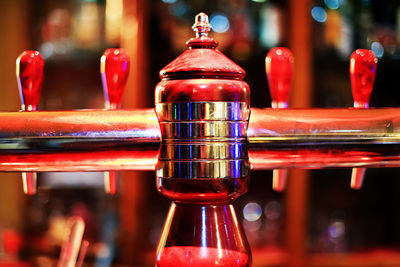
(203, 140)
(214, 111)
(203, 109)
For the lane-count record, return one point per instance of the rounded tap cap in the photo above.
(202, 60)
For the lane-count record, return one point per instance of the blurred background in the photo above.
(317, 221)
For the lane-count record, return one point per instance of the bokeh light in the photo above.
(252, 211)
(378, 49)
(273, 210)
(219, 22)
(319, 14)
(336, 229)
(178, 9)
(332, 4)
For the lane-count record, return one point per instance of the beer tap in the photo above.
(202, 104)
(29, 71)
(362, 75)
(114, 69)
(279, 69)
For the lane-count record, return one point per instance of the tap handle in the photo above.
(114, 69)
(279, 69)
(29, 72)
(362, 76)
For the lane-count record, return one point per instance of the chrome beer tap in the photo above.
(203, 108)
(29, 71)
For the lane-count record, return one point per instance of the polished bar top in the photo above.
(99, 140)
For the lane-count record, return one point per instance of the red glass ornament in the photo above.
(279, 68)
(29, 72)
(114, 68)
(362, 75)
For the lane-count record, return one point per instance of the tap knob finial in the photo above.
(201, 25)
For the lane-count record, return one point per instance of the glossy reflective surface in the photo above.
(79, 140)
(114, 68)
(202, 235)
(318, 138)
(203, 109)
(130, 139)
(205, 191)
(279, 68)
(29, 72)
(362, 75)
(29, 182)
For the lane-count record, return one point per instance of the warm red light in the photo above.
(30, 66)
(362, 75)
(201, 256)
(114, 67)
(279, 68)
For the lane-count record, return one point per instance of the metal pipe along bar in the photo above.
(88, 140)
(322, 138)
(100, 140)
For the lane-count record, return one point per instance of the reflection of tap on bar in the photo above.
(29, 70)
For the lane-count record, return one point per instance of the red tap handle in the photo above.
(362, 75)
(29, 72)
(279, 68)
(114, 68)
